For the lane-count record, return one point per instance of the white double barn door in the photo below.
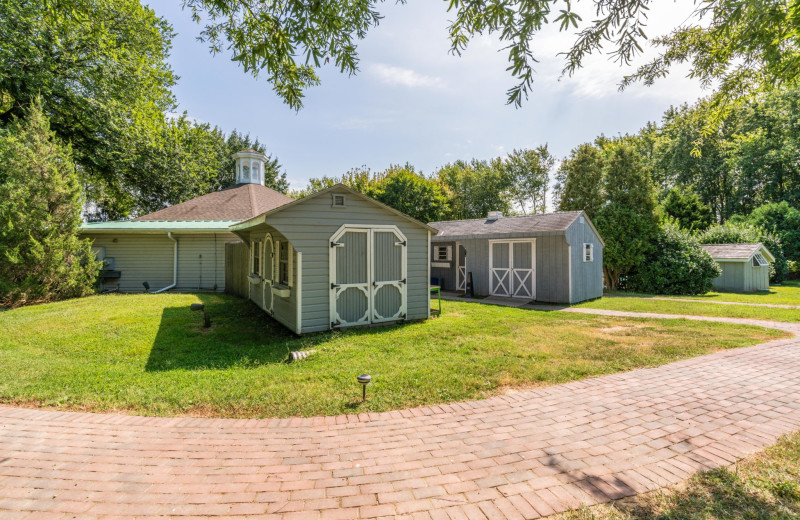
(368, 266)
(512, 268)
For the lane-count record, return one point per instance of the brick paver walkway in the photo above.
(524, 455)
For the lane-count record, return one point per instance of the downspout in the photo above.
(174, 266)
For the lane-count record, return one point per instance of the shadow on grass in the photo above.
(720, 493)
(240, 335)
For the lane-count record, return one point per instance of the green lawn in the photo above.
(787, 293)
(149, 354)
(645, 304)
(764, 486)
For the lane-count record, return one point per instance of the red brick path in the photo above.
(524, 455)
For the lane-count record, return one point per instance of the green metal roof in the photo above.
(158, 225)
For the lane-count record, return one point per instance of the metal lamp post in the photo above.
(364, 379)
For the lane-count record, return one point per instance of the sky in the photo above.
(414, 102)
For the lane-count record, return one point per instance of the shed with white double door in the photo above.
(554, 257)
(338, 259)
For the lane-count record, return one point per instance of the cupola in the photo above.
(249, 167)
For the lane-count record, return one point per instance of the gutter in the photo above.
(174, 266)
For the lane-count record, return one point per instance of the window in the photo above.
(759, 260)
(256, 269)
(338, 200)
(283, 266)
(588, 252)
(441, 253)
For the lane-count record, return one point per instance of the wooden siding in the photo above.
(284, 308)
(587, 277)
(741, 276)
(309, 227)
(148, 257)
(237, 262)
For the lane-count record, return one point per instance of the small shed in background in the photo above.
(553, 257)
(745, 267)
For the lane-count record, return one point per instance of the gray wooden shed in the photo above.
(554, 257)
(745, 267)
(338, 258)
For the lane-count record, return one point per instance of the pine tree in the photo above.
(580, 180)
(41, 257)
(627, 221)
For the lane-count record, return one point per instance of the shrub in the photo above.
(675, 265)
(744, 233)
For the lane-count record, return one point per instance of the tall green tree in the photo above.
(100, 67)
(579, 183)
(475, 188)
(406, 190)
(528, 173)
(41, 256)
(627, 221)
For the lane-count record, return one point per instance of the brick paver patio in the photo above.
(524, 455)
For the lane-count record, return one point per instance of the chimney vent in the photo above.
(494, 215)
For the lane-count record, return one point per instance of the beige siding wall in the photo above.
(149, 257)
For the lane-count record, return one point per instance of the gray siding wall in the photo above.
(587, 277)
(309, 227)
(741, 276)
(552, 265)
(149, 257)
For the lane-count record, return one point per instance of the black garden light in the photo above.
(364, 379)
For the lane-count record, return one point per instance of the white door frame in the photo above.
(510, 281)
(266, 275)
(461, 270)
(369, 287)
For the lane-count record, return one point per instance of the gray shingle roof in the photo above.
(731, 251)
(547, 222)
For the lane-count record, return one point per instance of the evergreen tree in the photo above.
(685, 206)
(41, 256)
(580, 180)
(627, 221)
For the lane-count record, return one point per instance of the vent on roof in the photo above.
(495, 215)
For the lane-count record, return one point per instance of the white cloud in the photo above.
(404, 77)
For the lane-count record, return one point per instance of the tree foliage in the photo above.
(399, 187)
(685, 207)
(580, 180)
(41, 256)
(627, 220)
(781, 220)
(743, 46)
(528, 176)
(100, 68)
(675, 265)
(475, 188)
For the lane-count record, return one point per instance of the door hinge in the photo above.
(335, 285)
(403, 281)
(403, 243)
(336, 244)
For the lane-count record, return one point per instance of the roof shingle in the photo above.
(239, 202)
(731, 251)
(522, 224)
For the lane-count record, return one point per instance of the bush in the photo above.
(745, 233)
(675, 265)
